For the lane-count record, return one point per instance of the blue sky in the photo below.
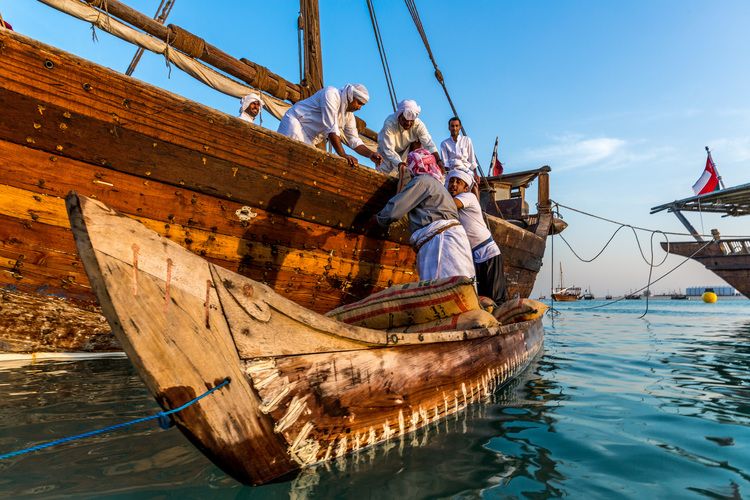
(619, 98)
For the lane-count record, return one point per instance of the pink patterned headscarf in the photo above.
(421, 162)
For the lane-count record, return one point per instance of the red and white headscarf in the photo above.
(422, 162)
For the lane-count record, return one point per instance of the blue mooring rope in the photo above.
(161, 416)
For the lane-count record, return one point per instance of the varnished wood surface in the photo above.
(304, 388)
(76, 125)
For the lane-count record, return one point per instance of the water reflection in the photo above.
(457, 456)
(615, 407)
(706, 375)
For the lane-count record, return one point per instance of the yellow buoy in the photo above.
(709, 296)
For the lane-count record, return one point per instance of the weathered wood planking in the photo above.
(87, 90)
(48, 174)
(304, 388)
(70, 124)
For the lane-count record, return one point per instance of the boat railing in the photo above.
(504, 196)
(729, 247)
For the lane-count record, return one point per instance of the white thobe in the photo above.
(247, 117)
(442, 253)
(311, 120)
(458, 153)
(394, 141)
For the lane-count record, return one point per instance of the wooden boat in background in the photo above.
(565, 294)
(728, 258)
(303, 388)
(246, 198)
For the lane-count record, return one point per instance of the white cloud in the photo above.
(574, 151)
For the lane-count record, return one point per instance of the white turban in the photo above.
(248, 100)
(462, 174)
(355, 90)
(409, 108)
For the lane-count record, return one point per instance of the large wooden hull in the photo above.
(244, 197)
(728, 259)
(304, 388)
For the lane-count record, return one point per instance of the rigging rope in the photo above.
(383, 56)
(162, 11)
(637, 227)
(649, 262)
(164, 422)
(412, 6)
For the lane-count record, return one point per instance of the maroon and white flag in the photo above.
(709, 181)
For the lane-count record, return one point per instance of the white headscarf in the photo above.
(409, 108)
(462, 174)
(249, 99)
(349, 93)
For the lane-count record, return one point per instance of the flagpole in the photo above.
(721, 181)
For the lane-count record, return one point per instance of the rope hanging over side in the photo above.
(162, 417)
(383, 56)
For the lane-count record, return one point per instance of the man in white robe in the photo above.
(457, 151)
(438, 238)
(399, 131)
(250, 107)
(488, 260)
(329, 114)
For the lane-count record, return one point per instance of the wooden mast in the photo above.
(313, 74)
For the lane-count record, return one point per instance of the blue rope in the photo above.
(161, 416)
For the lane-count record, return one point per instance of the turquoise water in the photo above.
(616, 407)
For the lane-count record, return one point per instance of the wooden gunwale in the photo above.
(734, 268)
(168, 117)
(335, 390)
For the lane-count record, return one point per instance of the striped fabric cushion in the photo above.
(464, 321)
(411, 303)
(517, 310)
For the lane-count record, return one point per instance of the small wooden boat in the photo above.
(566, 294)
(304, 388)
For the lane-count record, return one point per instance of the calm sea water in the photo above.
(616, 407)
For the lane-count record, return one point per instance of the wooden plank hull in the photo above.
(564, 297)
(304, 388)
(244, 197)
(728, 259)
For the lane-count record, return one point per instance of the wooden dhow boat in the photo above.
(728, 258)
(246, 198)
(303, 388)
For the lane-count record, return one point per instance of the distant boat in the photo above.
(678, 296)
(633, 296)
(588, 295)
(566, 294)
(607, 297)
(542, 297)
